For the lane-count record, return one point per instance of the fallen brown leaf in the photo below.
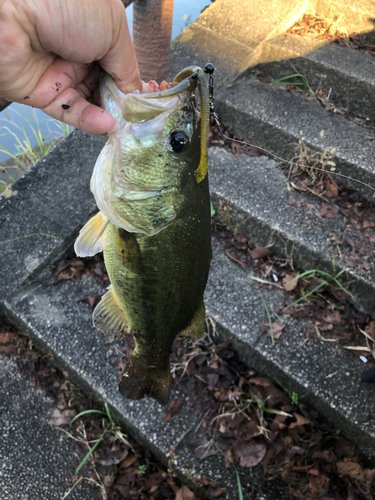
(174, 409)
(288, 284)
(329, 211)
(352, 469)
(228, 254)
(185, 493)
(368, 223)
(92, 300)
(59, 418)
(260, 253)
(277, 329)
(250, 455)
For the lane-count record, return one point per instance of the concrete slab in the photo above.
(229, 32)
(272, 118)
(198, 46)
(262, 211)
(37, 461)
(58, 323)
(49, 207)
(251, 22)
(235, 305)
(347, 74)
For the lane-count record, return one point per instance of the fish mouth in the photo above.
(139, 108)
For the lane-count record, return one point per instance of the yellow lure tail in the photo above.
(197, 73)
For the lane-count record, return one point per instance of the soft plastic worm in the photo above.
(196, 73)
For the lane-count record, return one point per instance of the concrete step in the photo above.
(38, 461)
(236, 306)
(266, 210)
(274, 119)
(237, 35)
(347, 75)
(62, 326)
(37, 225)
(229, 32)
(58, 323)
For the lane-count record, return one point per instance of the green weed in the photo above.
(294, 397)
(290, 79)
(142, 469)
(240, 493)
(111, 426)
(329, 280)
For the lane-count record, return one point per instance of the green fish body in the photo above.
(151, 186)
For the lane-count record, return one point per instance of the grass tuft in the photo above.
(27, 129)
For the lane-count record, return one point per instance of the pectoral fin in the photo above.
(109, 318)
(90, 239)
(195, 328)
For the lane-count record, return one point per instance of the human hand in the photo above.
(50, 52)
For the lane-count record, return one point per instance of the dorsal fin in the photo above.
(90, 239)
(109, 318)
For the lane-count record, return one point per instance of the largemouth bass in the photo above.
(151, 187)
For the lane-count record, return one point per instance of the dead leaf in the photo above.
(370, 329)
(174, 409)
(114, 457)
(185, 493)
(260, 253)
(277, 329)
(300, 186)
(332, 189)
(234, 259)
(250, 455)
(300, 422)
(328, 210)
(368, 223)
(59, 418)
(351, 469)
(262, 77)
(92, 300)
(262, 381)
(288, 284)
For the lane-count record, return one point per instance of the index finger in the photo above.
(120, 61)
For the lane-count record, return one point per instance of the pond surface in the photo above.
(21, 120)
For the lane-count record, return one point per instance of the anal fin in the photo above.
(195, 328)
(90, 239)
(109, 318)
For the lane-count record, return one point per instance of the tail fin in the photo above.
(140, 380)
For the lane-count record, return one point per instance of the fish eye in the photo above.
(178, 141)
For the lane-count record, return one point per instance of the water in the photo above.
(16, 116)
